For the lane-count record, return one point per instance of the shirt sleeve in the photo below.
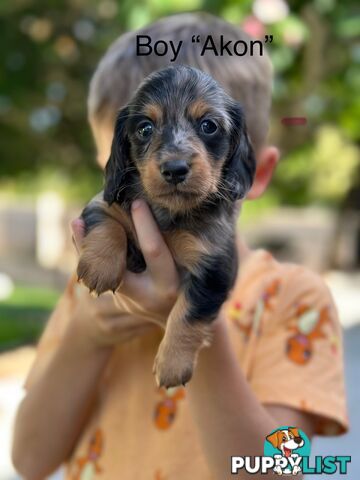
(298, 357)
(53, 332)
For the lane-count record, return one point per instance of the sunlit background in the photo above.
(48, 51)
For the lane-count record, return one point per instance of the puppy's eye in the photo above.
(145, 130)
(208, 127)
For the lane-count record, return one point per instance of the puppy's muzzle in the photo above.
(175, 171)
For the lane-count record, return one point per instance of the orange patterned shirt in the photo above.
(285, 330)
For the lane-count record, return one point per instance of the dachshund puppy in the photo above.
(180, 144)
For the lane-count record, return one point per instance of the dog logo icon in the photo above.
(287, 445)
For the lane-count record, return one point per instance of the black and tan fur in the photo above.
(196, 214)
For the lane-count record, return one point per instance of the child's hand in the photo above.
(101, 323)
(148, 296)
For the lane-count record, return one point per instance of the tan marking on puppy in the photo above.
(203, 180)
(103, 257)
(186, 248)
(120, 216)
(154, 112)
(163, 194)
(198, 109)
(205, 172)
(114, 211)
(178, 350)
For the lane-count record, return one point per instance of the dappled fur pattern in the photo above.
(194, 121)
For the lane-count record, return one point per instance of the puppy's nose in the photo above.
(175, 171)
(298, 440)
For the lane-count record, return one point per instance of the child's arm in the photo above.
(230, 418)
(59, 394)
(51, 416)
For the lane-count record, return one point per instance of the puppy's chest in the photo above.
(194, 246)
(187, 249)
(192, 241)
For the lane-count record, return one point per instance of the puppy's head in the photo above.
(286, 440)
(181, 140)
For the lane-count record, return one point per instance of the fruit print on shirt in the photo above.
(166, 409)
(265, 303)
(159, 475)
(309, 327)
(87, 466)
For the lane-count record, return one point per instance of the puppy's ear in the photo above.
(274, 439)
(240, 166)
(116, 167)
(295, 431)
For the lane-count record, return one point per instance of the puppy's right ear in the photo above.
(117, 165)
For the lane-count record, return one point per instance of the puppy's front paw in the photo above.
(102, 271)
(172, 367)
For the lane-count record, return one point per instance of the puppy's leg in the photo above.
(189, 325)
(103, 251)
(175, 359)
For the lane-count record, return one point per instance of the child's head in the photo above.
(247, 79)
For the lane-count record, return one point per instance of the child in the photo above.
(276, 355)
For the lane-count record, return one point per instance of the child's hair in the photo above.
(246, 78)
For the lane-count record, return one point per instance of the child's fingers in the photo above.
(158, 258)
(132, 284)
(78, 229)
(136, 297)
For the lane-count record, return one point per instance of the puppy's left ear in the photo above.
(240, 166)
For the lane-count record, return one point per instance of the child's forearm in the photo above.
(229, 417)
(55, 408)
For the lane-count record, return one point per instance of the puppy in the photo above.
(180, 144)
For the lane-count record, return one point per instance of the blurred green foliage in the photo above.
(49, 49)
(23, 314)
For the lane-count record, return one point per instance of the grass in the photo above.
(23, 314)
